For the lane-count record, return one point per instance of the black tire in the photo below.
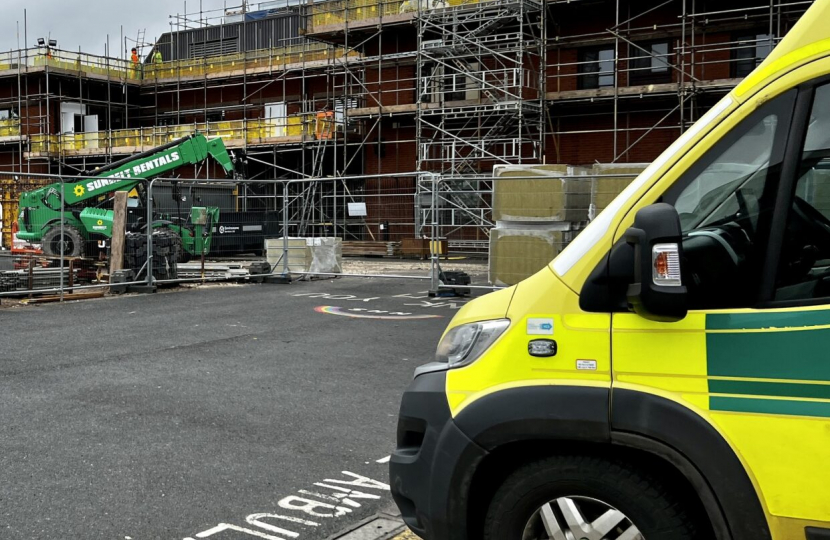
(165, 254)
(164, 261)
(644, 499)
(72, 243)
(180, 254)
(135, 251)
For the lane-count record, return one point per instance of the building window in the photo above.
(460, 86)
(340, 107)
(455, 86)
(649, 63)
(750, 50)
(596, 68)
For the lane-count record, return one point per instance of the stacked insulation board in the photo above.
(313, 255)
(539, 209)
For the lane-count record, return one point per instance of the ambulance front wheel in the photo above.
(587, 498)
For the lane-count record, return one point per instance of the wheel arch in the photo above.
(676, 433)
(505, 459)
(640, 426)
(66, 221)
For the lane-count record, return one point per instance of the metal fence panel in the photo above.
(455, 234)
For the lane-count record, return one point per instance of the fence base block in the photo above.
(142, 289)
(118, 277)
(449, 293)
(285, 280)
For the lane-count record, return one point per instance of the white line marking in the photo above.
(256, 520)
(384, 459)
(348, 492)
(227, 527)
(294, 520)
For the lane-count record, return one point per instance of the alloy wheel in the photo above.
(580, 518)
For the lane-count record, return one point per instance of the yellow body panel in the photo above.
(671, 359)
(788, 459)
(785, 455)
(507, 364)
(490, 306)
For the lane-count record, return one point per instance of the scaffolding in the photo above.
(480, 98)
(654, 77)
(383, 96)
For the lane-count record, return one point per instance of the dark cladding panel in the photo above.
(277, 29)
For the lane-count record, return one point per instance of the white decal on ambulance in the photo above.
(540, 327)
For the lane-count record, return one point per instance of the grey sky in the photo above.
(86, 23)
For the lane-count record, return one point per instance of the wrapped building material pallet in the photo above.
(518, 253)
(367, 248)
(550, 195)
(313, 255)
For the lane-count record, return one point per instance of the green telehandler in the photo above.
(66, 229)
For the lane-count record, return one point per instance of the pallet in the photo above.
(66, 297)
(371, 249)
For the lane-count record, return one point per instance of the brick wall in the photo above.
(389, 86)
(598, 143)
(396, 152)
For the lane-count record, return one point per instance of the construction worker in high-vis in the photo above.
(157, 60)
(135, 62)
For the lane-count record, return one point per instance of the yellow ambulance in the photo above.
(667, 376)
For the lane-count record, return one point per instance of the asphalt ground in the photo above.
(226, 412)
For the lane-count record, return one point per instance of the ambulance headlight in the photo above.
(463, 344)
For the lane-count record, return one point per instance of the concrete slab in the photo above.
(377, 528)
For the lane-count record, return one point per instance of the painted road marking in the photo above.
(343, 499)
(423, 298)
(438, 304)
(358, 313)
(329, 296)
(384, 459)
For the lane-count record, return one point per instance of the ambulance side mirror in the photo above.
(658, 292)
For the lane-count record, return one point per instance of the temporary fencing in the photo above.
(453, 234)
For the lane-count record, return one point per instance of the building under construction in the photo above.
(369, 93)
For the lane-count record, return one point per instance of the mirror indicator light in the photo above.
(665, 260)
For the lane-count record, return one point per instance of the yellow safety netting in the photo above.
(272, 59)
(275, 58)
(43, 143)
(78, 62)
(235, 132)
(10, 127)
(340, 11)
(11, 186)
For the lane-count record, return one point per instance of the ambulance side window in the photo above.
(725, 202)
(804, 264)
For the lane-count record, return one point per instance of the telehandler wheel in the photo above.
(180, 255)
(583, 496)
(71, 244)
